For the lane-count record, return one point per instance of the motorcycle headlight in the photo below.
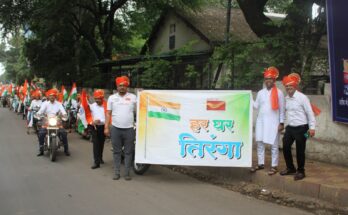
(52, 122)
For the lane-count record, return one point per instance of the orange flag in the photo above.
(84, 104)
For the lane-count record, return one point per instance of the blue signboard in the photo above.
(337, 24)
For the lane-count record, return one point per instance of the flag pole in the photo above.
(147, 105)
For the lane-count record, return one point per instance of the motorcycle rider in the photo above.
(52, 107)
(35, 103)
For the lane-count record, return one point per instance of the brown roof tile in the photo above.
(212, 23)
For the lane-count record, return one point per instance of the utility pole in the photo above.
(228, 21)
(227, 38)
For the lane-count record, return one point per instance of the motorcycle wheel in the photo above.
(140, 169)
(53, 149)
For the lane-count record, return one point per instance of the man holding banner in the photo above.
(270, 120)
(121, 109)
(301, 123)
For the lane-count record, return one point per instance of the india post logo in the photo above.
(216, 105)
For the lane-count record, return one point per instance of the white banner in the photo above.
(199, 128)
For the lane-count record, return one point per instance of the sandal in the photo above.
(256, 168)
(273, 171)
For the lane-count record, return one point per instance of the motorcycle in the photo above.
(25, 111)
(72, 113)
(139, 168)
(36, 125)
(4, 101)
(10, 102)
(52, 140)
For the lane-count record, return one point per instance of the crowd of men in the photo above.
(116, 117)
(118, 113)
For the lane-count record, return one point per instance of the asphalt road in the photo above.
(31, 185)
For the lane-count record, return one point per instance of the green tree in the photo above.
(14, 60)
(63, 39)
(293, 41)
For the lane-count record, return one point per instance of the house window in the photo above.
(172, 42)
(172, 30)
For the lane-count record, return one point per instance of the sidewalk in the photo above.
(323, 181)
(326, 182)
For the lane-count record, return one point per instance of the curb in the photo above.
(335, 195)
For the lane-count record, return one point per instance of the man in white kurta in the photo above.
(35, 104)
(270, 120)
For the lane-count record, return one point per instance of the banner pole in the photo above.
(147, 105)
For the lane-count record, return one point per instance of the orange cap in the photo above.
(271, 72)
(98, 94)
(52, 92)
(122, 80)
(290, 80)
(296, 77)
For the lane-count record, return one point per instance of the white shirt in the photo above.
(51, 108)
(35, 103)
(98, 112)
(74, 103)
(299, 110)
(122, 110)
(268, 120)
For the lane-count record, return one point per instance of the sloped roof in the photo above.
(211, 22)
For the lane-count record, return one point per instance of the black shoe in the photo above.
(116, 177)
(67, 153)
(127, 177)
(95, 166)
(299, 176)
(288, 172)
(40, 153)
(101, 161)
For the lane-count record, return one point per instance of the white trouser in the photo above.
(30, 119)
(19, 107)
(261, 153)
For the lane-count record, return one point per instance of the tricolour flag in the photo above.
(13, 92)
(73, 92)
(163, 109)
(85, 106)
(25, 90)
(65, 94)
(33, 86)
(4, 91)
(72, 95)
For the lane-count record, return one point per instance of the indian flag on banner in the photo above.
(163, 109)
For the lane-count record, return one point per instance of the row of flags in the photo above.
(64, 97)
(24, 92)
